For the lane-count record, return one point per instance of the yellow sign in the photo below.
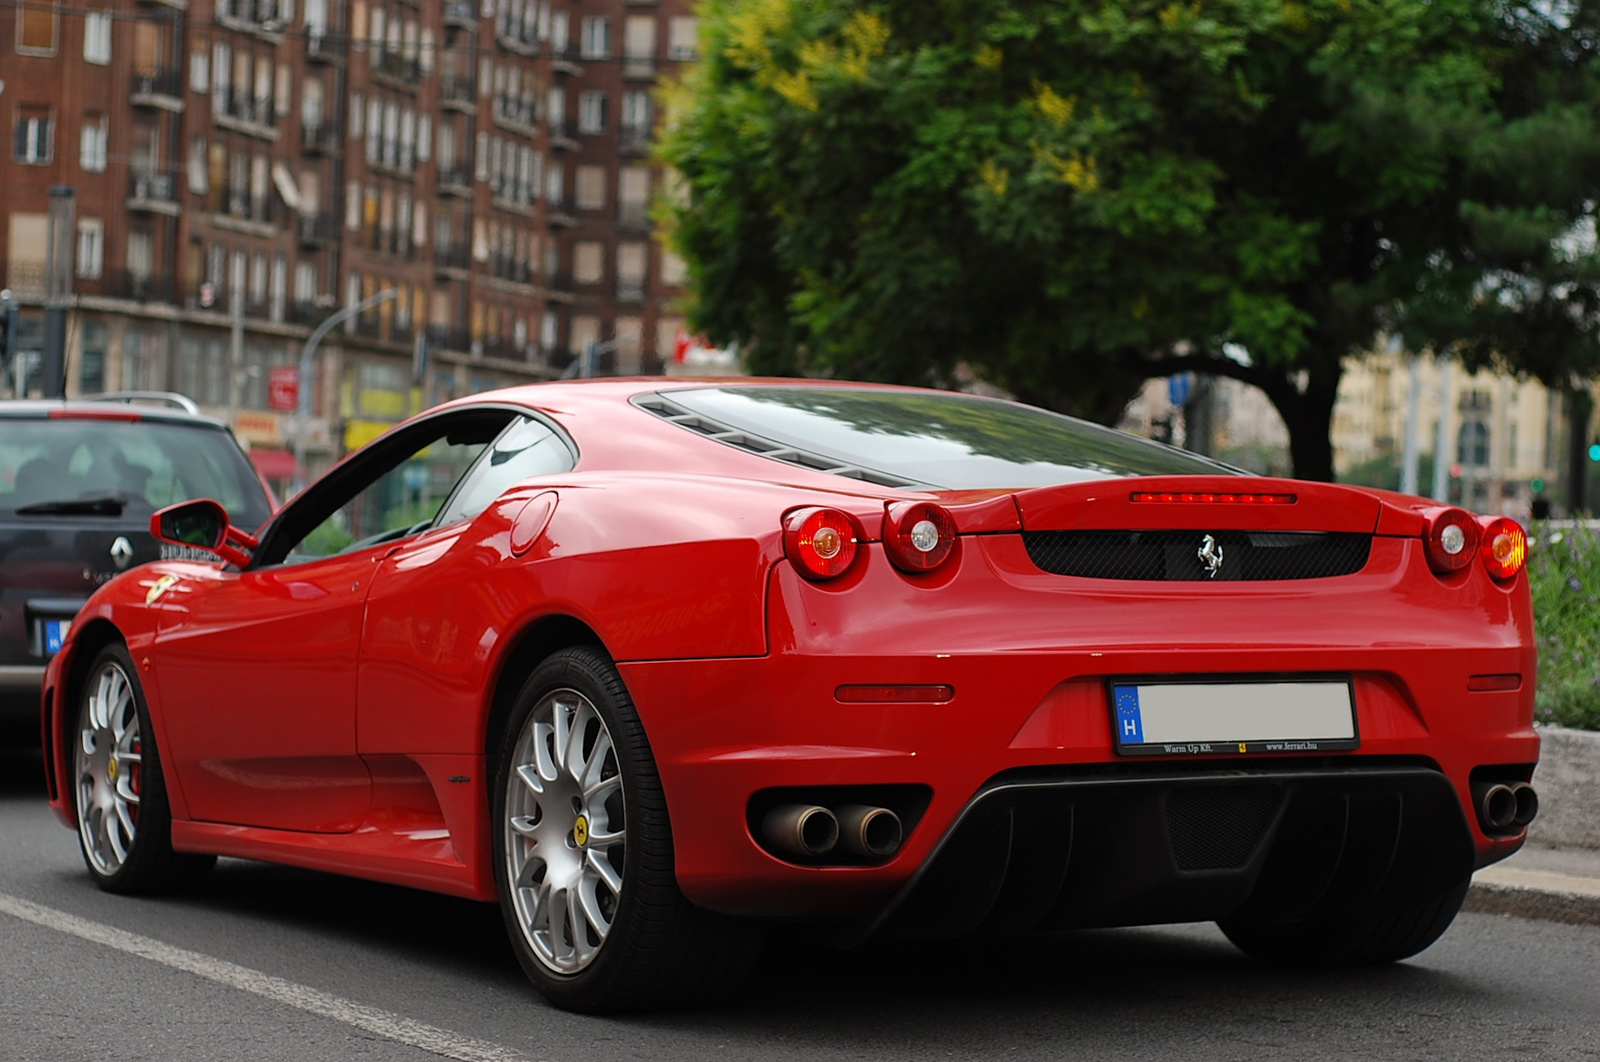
(256, 427)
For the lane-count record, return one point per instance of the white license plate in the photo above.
(55, 632)
(1209, 718)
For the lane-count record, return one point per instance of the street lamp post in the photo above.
(303, 400)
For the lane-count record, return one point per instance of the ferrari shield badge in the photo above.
(159, 587)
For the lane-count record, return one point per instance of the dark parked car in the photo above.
(78, 482)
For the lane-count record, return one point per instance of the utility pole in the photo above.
(1409, 459)
(1441, 441)
(57, 290)
(307, 369)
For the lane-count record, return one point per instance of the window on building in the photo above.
(37, 24)
(633, 195)
(92, 140)
(200, 68)
(682, 36)
(588, 262)
(482, 173)
(673, 269)
(305, 283)
(585, 333)
(555, 183)
(91, 248)
(97, 37)
(141, 253)
(34, 142)
(632, 256)
(591, 112)
(258, 279)
(591, 188)
(596, 40)
(636, 111)
(92, 358)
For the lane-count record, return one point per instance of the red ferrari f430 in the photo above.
(653, 664)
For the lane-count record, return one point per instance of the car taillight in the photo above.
(822, 543)
(1452, 540)
(1210, 497)
(1504, 547)
(918, 536)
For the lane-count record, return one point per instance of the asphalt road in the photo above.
(268, 963)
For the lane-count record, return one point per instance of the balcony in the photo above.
(460, 14)
(321, 49)
(455, 179)
(630, 290)
(263, 18)
(161, 89)
(505, 267)
(397, 70)
(633, 217)
(458, 94)
(141, 287)
(519, 40)
(566, 60)
(237, 204)
(559, 283)
(562, 137)
(520, 116)
(318, 230)
(633, 142)
(175, 5)
(446, 337)
(238, 110)
(559, 215)
(153, 193)
(321, 138)
(448, 259)
(639, 67)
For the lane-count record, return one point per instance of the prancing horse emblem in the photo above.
(1210, 556)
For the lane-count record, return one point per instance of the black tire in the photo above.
(1372, 939)
(119, 792)
(642, 945)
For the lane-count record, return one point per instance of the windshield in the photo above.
(940, 439)
(87, 466)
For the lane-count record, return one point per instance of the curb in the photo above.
(1544, 895)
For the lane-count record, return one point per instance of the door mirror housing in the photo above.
(202, 524)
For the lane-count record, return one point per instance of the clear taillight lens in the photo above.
(918, 536)
(1452, 540)
(821, 543)
(1504, 547)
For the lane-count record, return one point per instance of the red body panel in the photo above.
(336, 714)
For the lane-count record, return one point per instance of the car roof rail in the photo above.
(158, 398)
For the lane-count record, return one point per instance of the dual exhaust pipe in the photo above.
(811, 831)
(1504, 805)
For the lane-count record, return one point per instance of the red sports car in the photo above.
(654, 663)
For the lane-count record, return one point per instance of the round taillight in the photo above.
(1452, 540)
(1504, 547)
(822, 543)
(918, 536)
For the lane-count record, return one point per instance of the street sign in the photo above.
(1179, 384)
(283, 387)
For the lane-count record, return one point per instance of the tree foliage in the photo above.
(1066, 197)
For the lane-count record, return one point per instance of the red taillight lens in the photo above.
(1504, 547)
(1452, 540)
(822, 543)
(918, 536)
(1210, 497)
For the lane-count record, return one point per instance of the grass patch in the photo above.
(1564, 571)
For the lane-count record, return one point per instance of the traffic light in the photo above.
(1594, 450)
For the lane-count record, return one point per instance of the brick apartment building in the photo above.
(243, 169)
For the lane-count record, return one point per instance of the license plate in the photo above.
(1211, 718)
(55, 632)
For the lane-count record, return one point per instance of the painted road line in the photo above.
(368, 1019)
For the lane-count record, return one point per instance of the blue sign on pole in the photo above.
(1178, 387)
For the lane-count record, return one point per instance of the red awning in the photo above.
(274, 464)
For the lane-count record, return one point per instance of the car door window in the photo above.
(526, 448)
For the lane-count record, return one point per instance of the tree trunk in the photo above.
(1308, 414)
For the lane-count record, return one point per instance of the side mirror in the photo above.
(202, 524)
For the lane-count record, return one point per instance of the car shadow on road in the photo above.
(21, 766)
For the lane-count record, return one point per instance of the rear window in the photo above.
(939, 439)
(147, 463)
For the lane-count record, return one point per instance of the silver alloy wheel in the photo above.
(565, 828)
(109, 764)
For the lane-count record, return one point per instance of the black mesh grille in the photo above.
(1177, 555)
(1218, 828)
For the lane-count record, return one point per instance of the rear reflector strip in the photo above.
(1211, 498)
(894, 694)
(1489, 683)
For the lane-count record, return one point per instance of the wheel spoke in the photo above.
(598, 793)
(603, 839)
(597, 862)
(529, 774)
(572, 751)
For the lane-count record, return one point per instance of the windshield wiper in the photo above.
(88, 505)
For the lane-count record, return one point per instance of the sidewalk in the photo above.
(1554, 884)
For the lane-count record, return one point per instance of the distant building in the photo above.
(257, 165)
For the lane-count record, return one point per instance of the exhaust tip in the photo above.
(867, 831)
(802, 830)
(1497, 806)
(1527, 804)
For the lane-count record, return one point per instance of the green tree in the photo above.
(1066, 197)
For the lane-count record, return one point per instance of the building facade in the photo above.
(477, 174)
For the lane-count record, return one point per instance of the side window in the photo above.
(403, 500)
(527, 448)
